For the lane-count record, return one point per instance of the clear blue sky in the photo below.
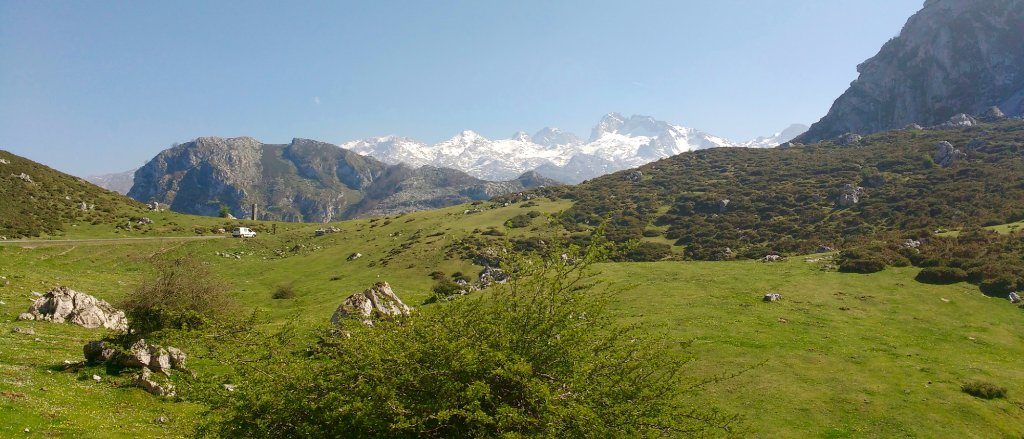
(102, 86)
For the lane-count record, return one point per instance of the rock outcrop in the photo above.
(849, 196)
(63, 304)
(377, 302)
(146, 357)
(945, 154)
(953, 56)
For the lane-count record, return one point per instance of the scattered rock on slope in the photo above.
(63, 304)
(377, 302)
(850, 195)
(946, 154)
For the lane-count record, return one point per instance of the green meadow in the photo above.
(841, 355)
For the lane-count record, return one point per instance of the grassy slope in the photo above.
(844, 355)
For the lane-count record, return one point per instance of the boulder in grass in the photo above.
(377, 302)
(63, 304)
(144, 380)
(97, 352)
(772, 297)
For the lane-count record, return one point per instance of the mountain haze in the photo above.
(120, 182)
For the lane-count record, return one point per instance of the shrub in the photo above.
(983, 389)
(863, 266)
(998, 286)
(284, 291)
(183, 295)
(443, 289)
(518, 221)
(941, 275)
(644, 252)
(536, 357)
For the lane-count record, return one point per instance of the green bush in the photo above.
(536, 357)
(644, 252)
(998, 286)
(941, 275)
(284, 291)
(518, 221)
(184, 294)
(983, 389)
(863, 266)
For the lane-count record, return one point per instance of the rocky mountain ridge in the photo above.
(120, 182)
(953, 56)
(304, 180)
(616, 143)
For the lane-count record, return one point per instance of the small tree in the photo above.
(184, 294)
(225, 211)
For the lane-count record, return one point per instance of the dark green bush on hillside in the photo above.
(998, 286)
(284, 291)
(518, 221)
(984, 389)
(941, 275)
(535, 357)
(863, 266)
(643, 251)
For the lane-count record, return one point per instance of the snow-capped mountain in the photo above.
(616, 143)
(790, 133)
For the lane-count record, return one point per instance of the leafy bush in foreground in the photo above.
(535, 357)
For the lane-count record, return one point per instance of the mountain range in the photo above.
(304, 180)
(616, 143)
(952, 57)
(120, 182)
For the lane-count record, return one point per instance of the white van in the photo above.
(243, 232)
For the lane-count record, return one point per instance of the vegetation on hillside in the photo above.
(728, 203)
(38, 200)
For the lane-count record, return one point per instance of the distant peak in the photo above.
(522, 136)
(635, 125)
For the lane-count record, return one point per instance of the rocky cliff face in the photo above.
(953, 56)
(304, 180)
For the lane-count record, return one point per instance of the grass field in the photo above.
(842, 355)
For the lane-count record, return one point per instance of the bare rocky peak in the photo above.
(953, 56)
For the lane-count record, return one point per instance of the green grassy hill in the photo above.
(842, 355)
(757, 201)
(41, 201)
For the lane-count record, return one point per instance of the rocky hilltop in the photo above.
(953, 56)
(304, 180)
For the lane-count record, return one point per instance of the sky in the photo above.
(96, 87)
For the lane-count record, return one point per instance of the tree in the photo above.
(184, 294)
(538, 356)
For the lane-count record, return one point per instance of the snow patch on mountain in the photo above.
(616, 143)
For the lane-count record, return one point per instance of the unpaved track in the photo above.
(49, 242)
